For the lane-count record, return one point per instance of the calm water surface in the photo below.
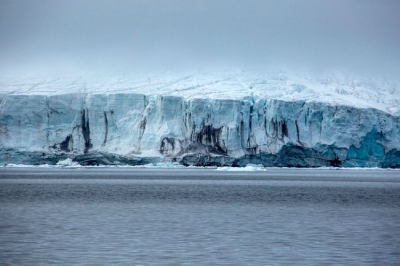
(131, 216)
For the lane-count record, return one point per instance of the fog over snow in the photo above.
(331, 51)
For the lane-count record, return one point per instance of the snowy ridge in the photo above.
(335, 89)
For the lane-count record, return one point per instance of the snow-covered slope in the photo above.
(224, 118)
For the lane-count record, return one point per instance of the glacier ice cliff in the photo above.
(136, 128)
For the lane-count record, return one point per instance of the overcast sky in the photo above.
(121, 36)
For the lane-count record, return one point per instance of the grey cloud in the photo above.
(123, 36)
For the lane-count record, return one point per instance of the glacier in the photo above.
(228, 119)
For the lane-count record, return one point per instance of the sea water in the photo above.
(132, 216)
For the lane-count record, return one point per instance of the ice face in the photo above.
(129, 128)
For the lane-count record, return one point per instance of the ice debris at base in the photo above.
(247, 168)
(163, 165)
(20, 165)
(276, 120)
(67, 162)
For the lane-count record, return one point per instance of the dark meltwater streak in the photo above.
(199, 217)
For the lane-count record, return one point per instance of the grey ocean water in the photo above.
(133, 216)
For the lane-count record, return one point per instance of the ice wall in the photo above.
(135, 128)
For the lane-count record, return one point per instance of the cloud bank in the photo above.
(120, 36)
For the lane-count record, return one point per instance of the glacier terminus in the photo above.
(210, 119)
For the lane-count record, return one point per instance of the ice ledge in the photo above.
(131, 128)
(334, 89)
